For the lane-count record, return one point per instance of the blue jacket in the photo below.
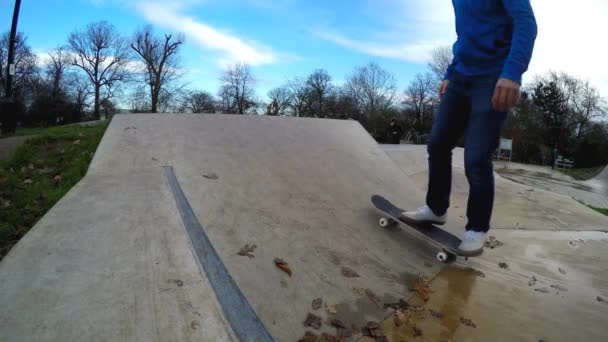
(494, 37)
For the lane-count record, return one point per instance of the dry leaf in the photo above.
(359, 291)
(317, 303)
(57, 178)
(422, 288)
(27, 181)
(468, 322)
(331, 309)
(561, 271)
(248, 250)
(313, 321)
(372, 296)
(400, 305)
(6, 203)
(31, 166)
(372, 329)
(80, 135)
(349, 272)
(416, 332)
(401, 317)
(436, 314)
(76, 142)
(503, 265)
(211, 176)
(282, 265)
(493, 242)
(62, 151)
(336, 323)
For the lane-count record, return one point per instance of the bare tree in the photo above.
(102, 54)
(441, 58)
(373, 87)
(279, 101)
(161, 65)
(237, 89)
(26, 68)
(581, 98)
(299, 96)
(419, 99)
(56, 66)
(320, 85)
(198, 102)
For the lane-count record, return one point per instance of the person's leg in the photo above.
(448, 127)
(481, 137)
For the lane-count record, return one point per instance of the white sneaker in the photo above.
(425, 215)
(472, 243)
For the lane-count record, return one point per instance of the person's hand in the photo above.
(443, 87)
(506, 95)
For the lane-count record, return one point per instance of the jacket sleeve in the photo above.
(522, 41)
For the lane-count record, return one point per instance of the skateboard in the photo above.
(437, 236)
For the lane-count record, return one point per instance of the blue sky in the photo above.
(284, 39)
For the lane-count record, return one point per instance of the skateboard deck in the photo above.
(435, 235)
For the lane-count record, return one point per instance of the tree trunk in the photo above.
(96, 109)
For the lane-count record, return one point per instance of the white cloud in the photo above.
(571, 35)
(232, 49)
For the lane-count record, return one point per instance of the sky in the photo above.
(291, 38)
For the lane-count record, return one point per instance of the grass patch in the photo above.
(583, 174)
(39, 174)
(600, 210)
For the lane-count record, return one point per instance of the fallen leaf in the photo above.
(503, 265)
(28, 181)
(23, 169)
(6, 203)
(317, 303)
(372, 297)
(309, 337)
(331, 309)
(282, 265)
(336, 323)
(76, 142)
(477, 272)
(493, 242)
(559, 288)
(359, 291)
(211, 176)
(57, 178)
(542, 290)
(154, 159)
(349, 272)
(372, 329)
(468, 322)
(416, 332)
(247, 251)
(313, 321)
(177, 282)
(62, 151)
(400, 305)
(561, 271)
(422, 288)
(600, 299)
(401, 317)
(436, 314)
(80, 134)
(31, 166)
(532, 282)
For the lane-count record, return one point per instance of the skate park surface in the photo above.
(145, 247)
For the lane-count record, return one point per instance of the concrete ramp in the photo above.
(122, 257)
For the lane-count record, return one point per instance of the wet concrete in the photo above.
(592, 192)
(507, 304)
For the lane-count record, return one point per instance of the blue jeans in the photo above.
(465, 109)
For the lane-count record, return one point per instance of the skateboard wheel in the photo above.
(384, 222)
(443, 257)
